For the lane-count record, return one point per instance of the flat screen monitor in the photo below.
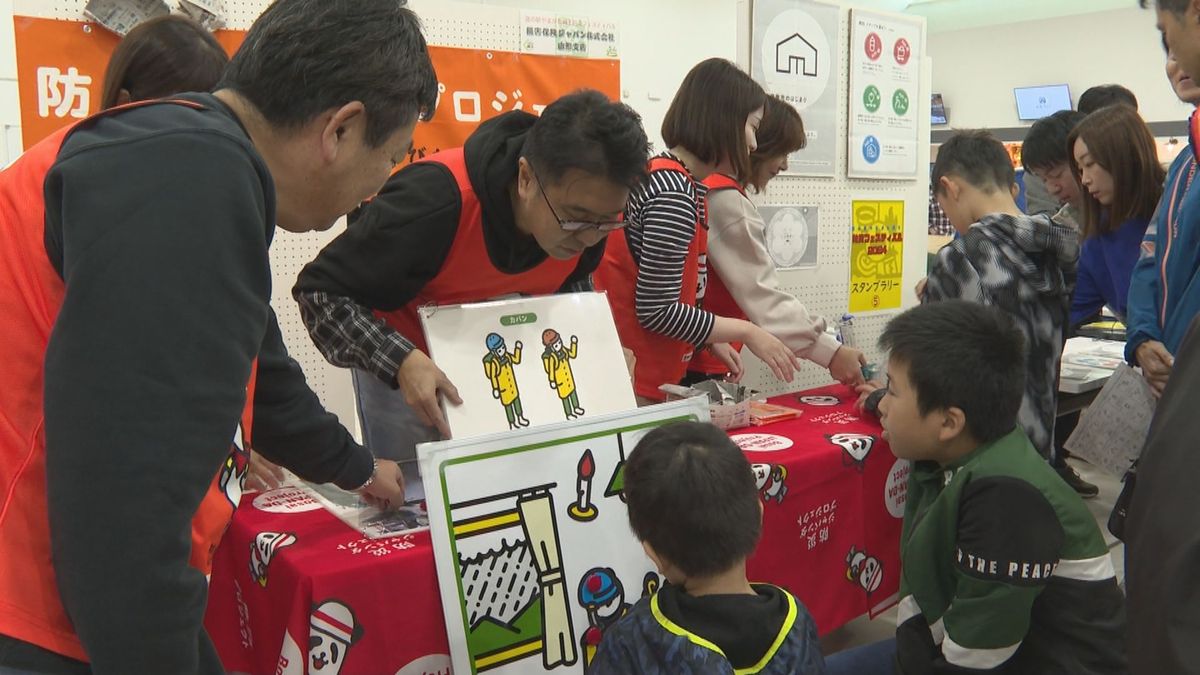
(1034, 103)
(939, 110)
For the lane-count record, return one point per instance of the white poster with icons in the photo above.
(885, 96)
(794, 55)
(529, 361)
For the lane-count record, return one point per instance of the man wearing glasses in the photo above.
(523, 208)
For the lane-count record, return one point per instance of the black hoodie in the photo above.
(398, 242)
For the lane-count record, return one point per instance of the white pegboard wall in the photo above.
(824, 290)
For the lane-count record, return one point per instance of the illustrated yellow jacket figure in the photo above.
(557, 364)
(498, 366)
(556, 361)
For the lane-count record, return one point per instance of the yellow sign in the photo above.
(876, 255)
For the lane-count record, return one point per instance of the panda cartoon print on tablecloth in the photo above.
(855, 448)
(864, 569)
(333, 630)
(769, 478)
(820, 400)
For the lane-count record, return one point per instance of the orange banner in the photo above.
(60, 77)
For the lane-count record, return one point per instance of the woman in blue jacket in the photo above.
(1115, 161)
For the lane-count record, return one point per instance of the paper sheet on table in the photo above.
(373, 522)
(1112, 431)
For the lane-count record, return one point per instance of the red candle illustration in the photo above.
(583, 510)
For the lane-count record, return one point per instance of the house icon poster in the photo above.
(795, 55)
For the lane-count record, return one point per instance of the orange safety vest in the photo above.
(31, 293)
(468, 274)
(660, 359)
(716, 296)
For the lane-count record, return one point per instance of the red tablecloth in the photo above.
(295, 590)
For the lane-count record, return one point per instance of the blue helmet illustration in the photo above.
(494, 341)
(598, 587)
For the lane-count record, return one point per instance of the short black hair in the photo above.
(963, 355)
(692, 497)
(1178, 7)
(976, 157)
(585, 130)
(1045, 145)
(1104, 95)
(303, 57)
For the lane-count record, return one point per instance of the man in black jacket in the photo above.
(136, 260)
(523, 208)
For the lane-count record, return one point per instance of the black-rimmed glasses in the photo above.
(577, 225)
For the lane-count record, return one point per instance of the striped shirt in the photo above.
(662, 216)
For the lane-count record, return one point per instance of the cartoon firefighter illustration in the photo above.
(770, 481)
(498, 367)
(332, 632)
(263, 549)
(864, 569)
(603, 597)
(556, 361)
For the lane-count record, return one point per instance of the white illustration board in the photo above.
(529, 361)
(535, 558)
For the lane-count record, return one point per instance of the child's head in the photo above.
(1115, 160)
(780, 134)
(692, 501)
(972, 169)
(1044, 154)
(956, 375)
(715, 115)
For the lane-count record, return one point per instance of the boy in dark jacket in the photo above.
(694, 506)
(1024, 265)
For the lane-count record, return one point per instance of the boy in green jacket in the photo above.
(1004, 569)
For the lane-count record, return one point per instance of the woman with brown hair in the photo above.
(1115, 161)
(163, 56)
(654, 270)
(742, 280)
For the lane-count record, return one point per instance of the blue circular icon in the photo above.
(870, 149)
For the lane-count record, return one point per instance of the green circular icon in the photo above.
(872, 98)
(900, 102)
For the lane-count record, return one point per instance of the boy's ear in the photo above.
(1015, 190)
(949, 187)
(954, 424)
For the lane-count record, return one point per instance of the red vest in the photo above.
(468, 274)
(716, 297)
(31, 292)
(660, 359)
